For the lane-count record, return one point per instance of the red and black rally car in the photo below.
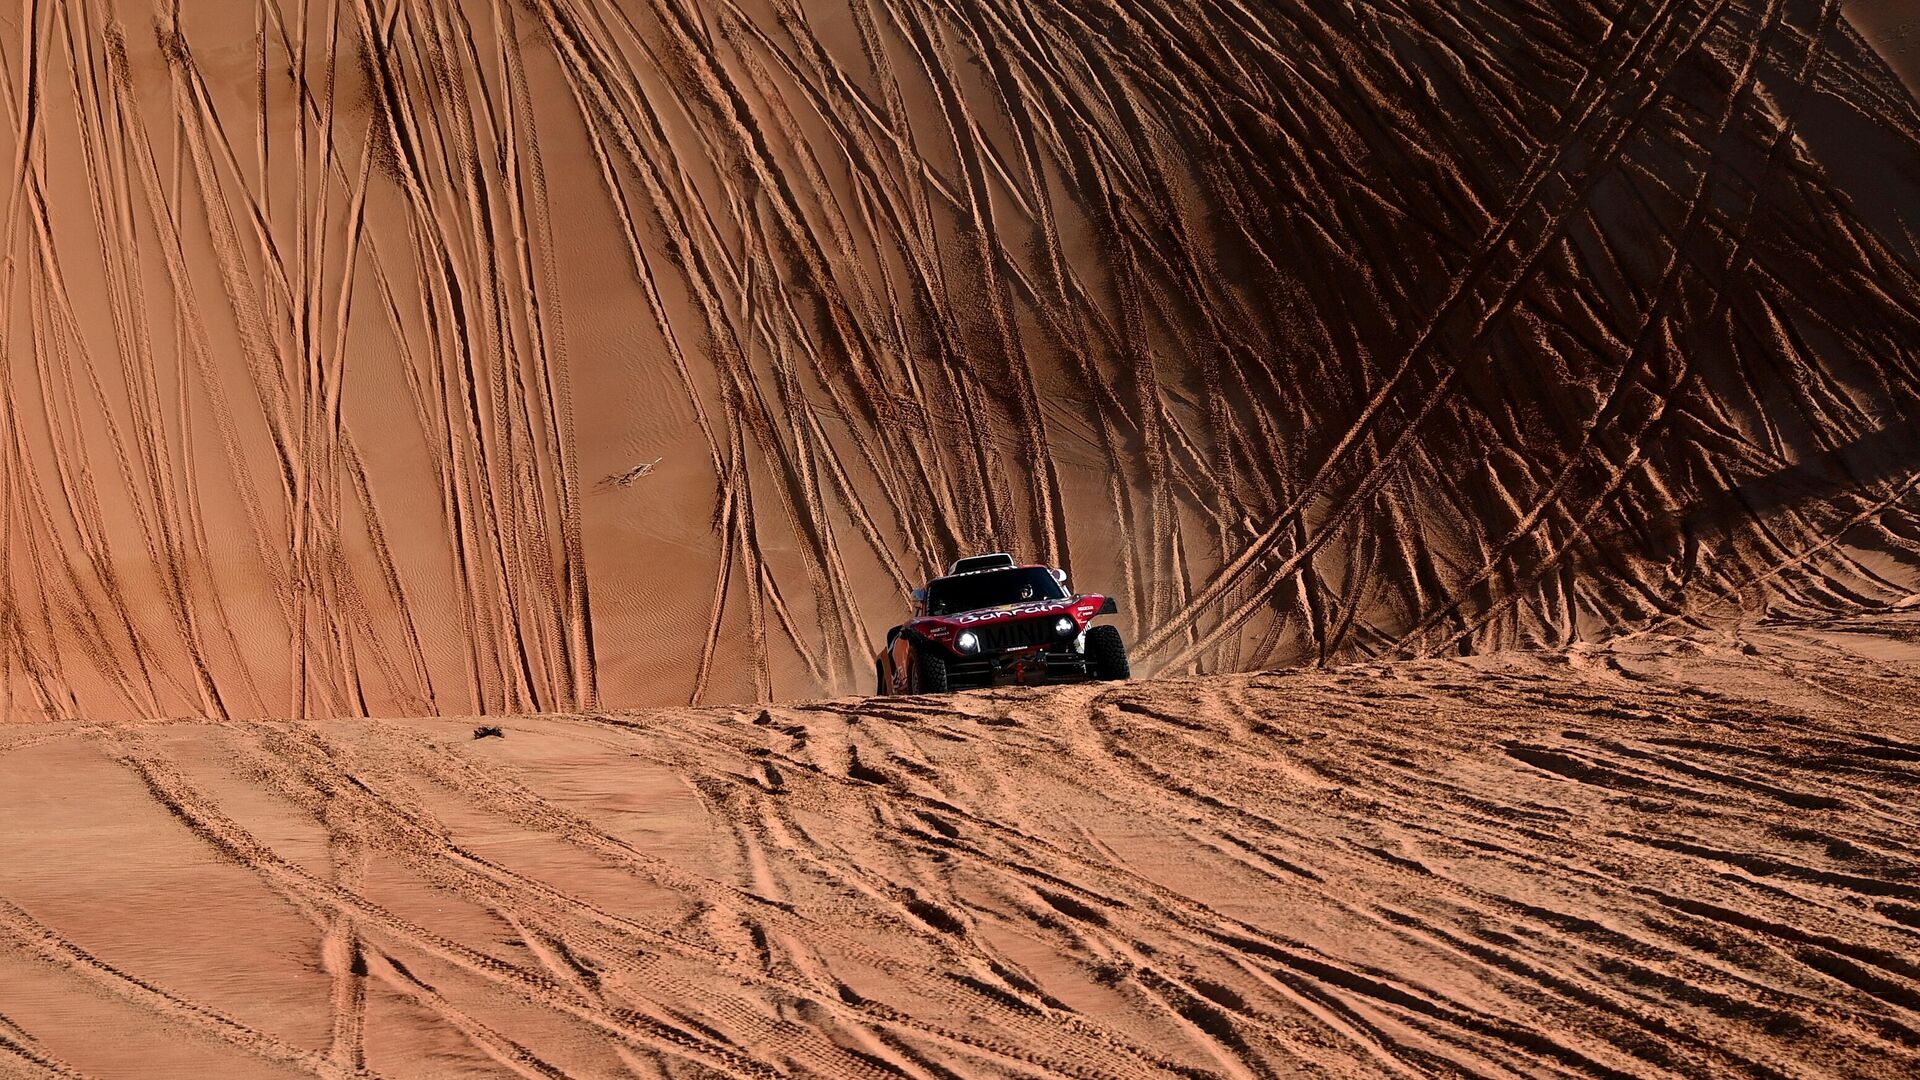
(990, 620)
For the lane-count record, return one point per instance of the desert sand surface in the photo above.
(1498, 420)
(423, 357)
(1676, 856)
(1892, 27)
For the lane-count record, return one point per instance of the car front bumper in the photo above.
(1020, 666)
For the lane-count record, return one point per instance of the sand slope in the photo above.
(418, 357)
(1660, 858)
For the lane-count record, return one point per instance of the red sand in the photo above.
(407, 357)
(1660, 858)
(529, 359)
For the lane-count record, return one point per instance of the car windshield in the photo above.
(971, 592)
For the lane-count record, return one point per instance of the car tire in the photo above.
(1109, 654)
(930, 672)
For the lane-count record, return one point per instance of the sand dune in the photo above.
(1664, 857)
(1535, 387)
(411, 357)
(1893, 29)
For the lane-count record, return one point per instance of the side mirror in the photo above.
(1059, 575)
(919, 596)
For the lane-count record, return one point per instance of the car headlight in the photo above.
(1064, 627)
(967, 642)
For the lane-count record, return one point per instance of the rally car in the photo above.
(990, 620)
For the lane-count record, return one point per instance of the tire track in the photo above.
(1665, 857)
(1316, 331)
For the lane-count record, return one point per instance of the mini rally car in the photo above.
(990, 621)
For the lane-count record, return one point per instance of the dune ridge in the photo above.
(441, 358)
(1662, 857)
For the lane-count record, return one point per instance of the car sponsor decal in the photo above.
(992, 614)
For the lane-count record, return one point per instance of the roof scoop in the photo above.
(999, 560)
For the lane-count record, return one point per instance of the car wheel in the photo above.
(1109, 654)
(929, 673)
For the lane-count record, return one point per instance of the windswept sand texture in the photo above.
(404, 357)
(1661, 857)
(1892, 27)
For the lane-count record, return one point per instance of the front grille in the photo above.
(999, 637)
